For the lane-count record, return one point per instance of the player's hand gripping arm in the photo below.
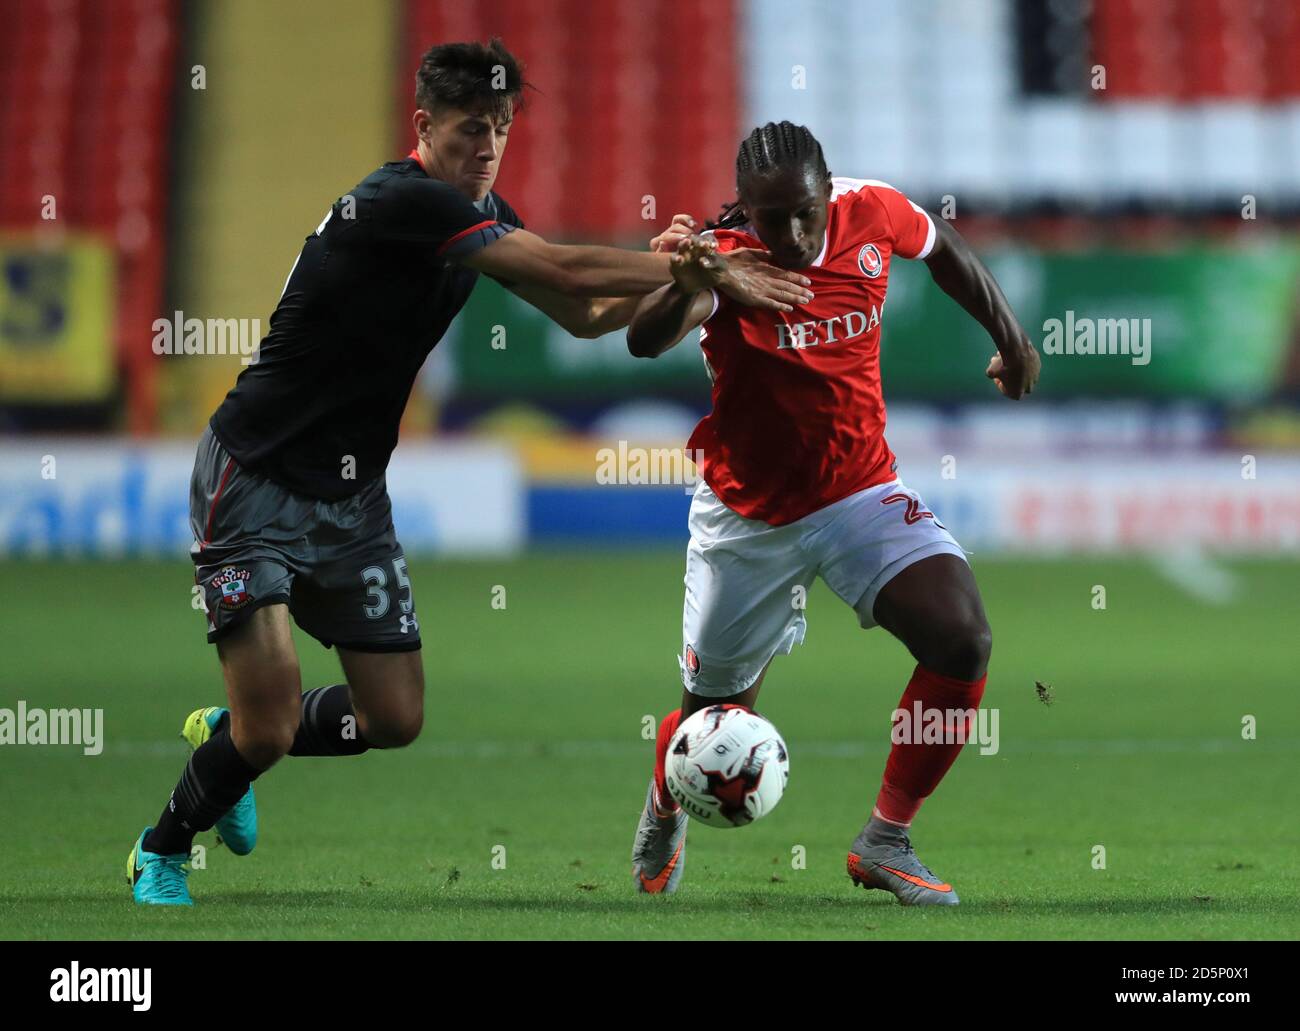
(963, 277)
(587, 271)
(667, 315)
(591, 317)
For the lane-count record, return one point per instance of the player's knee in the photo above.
(264, 722)
(396, 729)
(265, 742)
(962, 649)
(408, 729)
(398, 722)
(389, 699)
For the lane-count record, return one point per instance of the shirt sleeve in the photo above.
(726, 242)
(912, 227)
(430, 212)
(505, 213)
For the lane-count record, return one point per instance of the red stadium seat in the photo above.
(112, 62)
(620, 112)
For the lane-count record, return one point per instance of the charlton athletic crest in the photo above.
(692, 662)
(233, 585)
(870, 262)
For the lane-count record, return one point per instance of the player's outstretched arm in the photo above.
(592, 317)
(668, 314)
(589, 271)
(584, 317)
(580, 271)
(664, 317)
(962, 276)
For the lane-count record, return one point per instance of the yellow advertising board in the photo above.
(57, 321)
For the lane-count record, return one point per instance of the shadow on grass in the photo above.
(598, 901)
(585, 901)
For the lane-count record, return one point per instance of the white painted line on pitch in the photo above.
(1195, 574)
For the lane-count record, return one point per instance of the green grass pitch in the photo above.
(513, 816)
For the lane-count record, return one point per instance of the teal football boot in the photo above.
(237, 829)
(157, 880)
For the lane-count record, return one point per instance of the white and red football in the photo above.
(727, 766)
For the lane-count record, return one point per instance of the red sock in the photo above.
(664, 801)
(914, 768)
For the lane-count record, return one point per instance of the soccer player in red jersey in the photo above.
(798, 482)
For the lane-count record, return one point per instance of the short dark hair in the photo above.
(484, 78)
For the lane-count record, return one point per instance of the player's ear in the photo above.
(422, 123)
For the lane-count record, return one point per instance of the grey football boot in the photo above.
(882, 857)
(659, 849)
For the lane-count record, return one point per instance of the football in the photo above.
(727, 766)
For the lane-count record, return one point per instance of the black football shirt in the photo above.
(372, 292)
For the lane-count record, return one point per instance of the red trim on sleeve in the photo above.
(465, 232)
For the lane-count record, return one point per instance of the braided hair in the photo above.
(770, 148)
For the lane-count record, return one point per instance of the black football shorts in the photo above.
(336, 564)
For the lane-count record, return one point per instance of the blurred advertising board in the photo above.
(83, 498)
(1147, 503)
(56, 321)
(1211, 322)
(73, 498)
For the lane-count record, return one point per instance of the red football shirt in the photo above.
(798, 418)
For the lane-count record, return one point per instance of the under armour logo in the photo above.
(409, 623)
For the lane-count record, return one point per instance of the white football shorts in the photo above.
(747, 581)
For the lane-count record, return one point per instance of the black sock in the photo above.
(329, 724)
(215, 778)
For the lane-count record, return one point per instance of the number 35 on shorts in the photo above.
(380, 588)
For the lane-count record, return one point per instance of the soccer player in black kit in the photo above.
(288, 501)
